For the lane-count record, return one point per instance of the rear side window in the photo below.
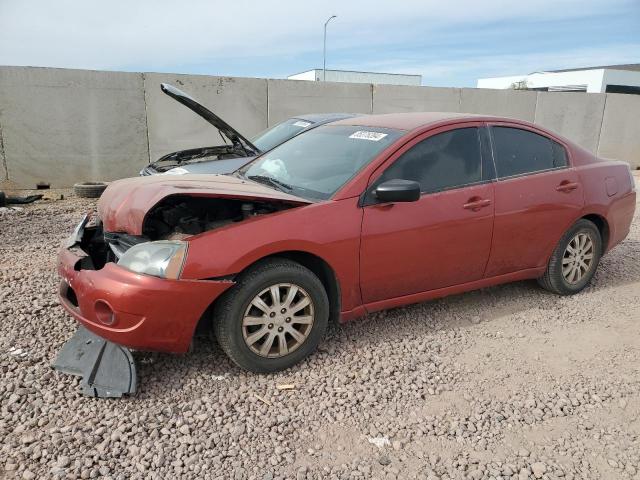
(441, 162)
(519, 152)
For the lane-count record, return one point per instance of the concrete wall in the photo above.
(572, 115)
(241, 102)
(3, 161)
(63, 126)
(294, 97)
(620, 133)
(506, 103)
(394, 98)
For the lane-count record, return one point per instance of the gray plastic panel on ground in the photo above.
(107, 370)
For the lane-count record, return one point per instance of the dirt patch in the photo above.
(509, 382)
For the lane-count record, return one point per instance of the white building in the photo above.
(608, 78)
(358, 77)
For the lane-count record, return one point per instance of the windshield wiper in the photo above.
(204, 153)
(277, 184)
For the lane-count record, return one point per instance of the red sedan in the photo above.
(355, 216)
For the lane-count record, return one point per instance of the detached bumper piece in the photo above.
(107, 370)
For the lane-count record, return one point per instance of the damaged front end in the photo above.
(176, 217)
(107, 370)
(181, 216)
(124, 306)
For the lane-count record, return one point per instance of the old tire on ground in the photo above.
(273, 317)
(89, 189)
(3, 199)
(574, 260)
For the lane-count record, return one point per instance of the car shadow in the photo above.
(170, 373)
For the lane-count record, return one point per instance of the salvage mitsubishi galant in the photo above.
(352, 217)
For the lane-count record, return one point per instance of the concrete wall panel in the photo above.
(63, 126)
(241, 102)
(575, 116)
(506, 103)
(620, 135)
(288, 98)
(3, 161)
(395, 98)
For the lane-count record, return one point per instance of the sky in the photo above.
(449, 43)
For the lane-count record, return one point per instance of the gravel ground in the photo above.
(508, 382)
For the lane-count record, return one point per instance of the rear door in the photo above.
(442, 239)
(537, 197)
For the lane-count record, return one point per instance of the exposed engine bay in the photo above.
(181, 216)
(176, 217)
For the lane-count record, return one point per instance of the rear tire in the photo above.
(273, 317)
(574, 260)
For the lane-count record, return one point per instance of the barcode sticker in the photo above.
(366, 135)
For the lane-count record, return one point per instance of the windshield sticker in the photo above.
(365, 135)
(302, 124)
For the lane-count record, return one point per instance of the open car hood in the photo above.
(238, 141)
(125, 203)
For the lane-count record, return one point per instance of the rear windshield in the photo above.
(274, 136)
(317, 164)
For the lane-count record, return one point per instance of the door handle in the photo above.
(476, 204)
(566, 187)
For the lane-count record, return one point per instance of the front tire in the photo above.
(574, 260)
(273, 317)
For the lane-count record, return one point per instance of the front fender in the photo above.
(329, 230)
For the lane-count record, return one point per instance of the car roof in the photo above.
(413, 120)
(325, 117)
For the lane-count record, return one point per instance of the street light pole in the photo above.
(324, 49)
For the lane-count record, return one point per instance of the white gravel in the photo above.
(508, 382)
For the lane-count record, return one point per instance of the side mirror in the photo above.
(398, 191)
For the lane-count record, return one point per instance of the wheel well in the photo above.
(603, 228)
(323, 271)
(314, 263)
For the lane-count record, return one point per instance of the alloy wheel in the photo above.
(578, 258)
(278, 320)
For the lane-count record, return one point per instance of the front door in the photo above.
(442, 239)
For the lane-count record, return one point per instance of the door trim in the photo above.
(453, 289)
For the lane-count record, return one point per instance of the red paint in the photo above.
(125, 203)
(150, 313)
(383, 256)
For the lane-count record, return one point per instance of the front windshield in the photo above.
(315, 165)
(274, 136)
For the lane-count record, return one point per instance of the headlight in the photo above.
(162, 259)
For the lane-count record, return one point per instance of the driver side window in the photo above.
(444, 161)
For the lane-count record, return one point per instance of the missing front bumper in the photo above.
(107, 370)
